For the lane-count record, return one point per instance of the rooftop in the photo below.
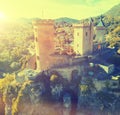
(45, 21)
(100, 23)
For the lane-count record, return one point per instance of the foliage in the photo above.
(111, 21)
(53, 77)
(16, 41)
(115, 59)
(4, 83)
(87, 87)
(107, 84)
(90, 84)
(114, 11)
(83, 88)
(16, 101)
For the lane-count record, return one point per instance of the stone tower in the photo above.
(83, 38)
(100, 32)
(44, 43)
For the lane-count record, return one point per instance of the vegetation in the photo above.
(17, 46)
(16, 40)
(115, 11)
(115, 59)
(113, 26)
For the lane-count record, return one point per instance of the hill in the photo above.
(114, 11)
(112, 22)
(66, 19)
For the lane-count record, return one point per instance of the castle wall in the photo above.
(66, 72)
(99, 46)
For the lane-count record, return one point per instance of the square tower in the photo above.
(83, 38)
(44, 43)
(100, 32)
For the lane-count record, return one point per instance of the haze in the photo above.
(77, 9)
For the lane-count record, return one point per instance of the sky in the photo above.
(51, 9)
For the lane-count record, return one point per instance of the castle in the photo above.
(84, 35)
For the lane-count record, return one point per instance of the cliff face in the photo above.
(50, 93)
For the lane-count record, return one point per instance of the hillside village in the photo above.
(74, 70)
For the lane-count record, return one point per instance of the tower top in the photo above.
(83, 24)
(91, 20)
(43, 22)
(100, 24)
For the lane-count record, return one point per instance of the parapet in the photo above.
(83, 24)
(100, 28)
(43, 22)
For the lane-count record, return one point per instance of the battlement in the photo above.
(100, 28)
(43, 22)
(83, 24)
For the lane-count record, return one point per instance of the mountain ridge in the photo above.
(114, 11)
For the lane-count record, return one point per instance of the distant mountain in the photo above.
(114, 11)
(66, 19)
(25, 20)
(62, 19)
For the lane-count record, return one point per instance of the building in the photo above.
(83, 38)
(46, 44)
(44, 34)
(100, 31)
(99, 37)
